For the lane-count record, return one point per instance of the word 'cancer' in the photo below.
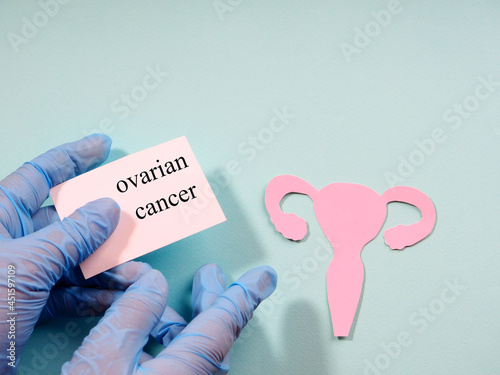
(163, 204)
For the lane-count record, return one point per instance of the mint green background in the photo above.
(354, 120)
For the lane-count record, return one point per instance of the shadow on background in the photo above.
(294, 352)
(233, 245)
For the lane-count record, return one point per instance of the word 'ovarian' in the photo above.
(152, 175)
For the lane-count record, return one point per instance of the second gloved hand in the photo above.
(115, 345)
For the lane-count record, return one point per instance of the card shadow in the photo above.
(233, 245)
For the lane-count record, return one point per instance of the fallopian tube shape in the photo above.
(350, 215)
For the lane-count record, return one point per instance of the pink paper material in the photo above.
(350, 215)
(188, 206)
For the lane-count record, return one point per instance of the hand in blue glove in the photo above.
(115, 345)
(39, 251)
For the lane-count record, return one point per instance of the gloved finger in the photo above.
(168, 327)
(64, 244)
(209, 282)
(24, 191)
(116, 278)
(43, 217)
(202, 345)
(115, 344)
(76, 301)
(4, 233)
(144, 357)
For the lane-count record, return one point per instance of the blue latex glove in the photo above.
(40, 251)
(115, 345)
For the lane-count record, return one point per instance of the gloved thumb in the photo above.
(64, 244)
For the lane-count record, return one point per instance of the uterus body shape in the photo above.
(350, 215)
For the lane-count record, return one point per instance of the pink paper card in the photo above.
(163, 195)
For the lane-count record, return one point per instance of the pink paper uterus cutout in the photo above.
(350, 215)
